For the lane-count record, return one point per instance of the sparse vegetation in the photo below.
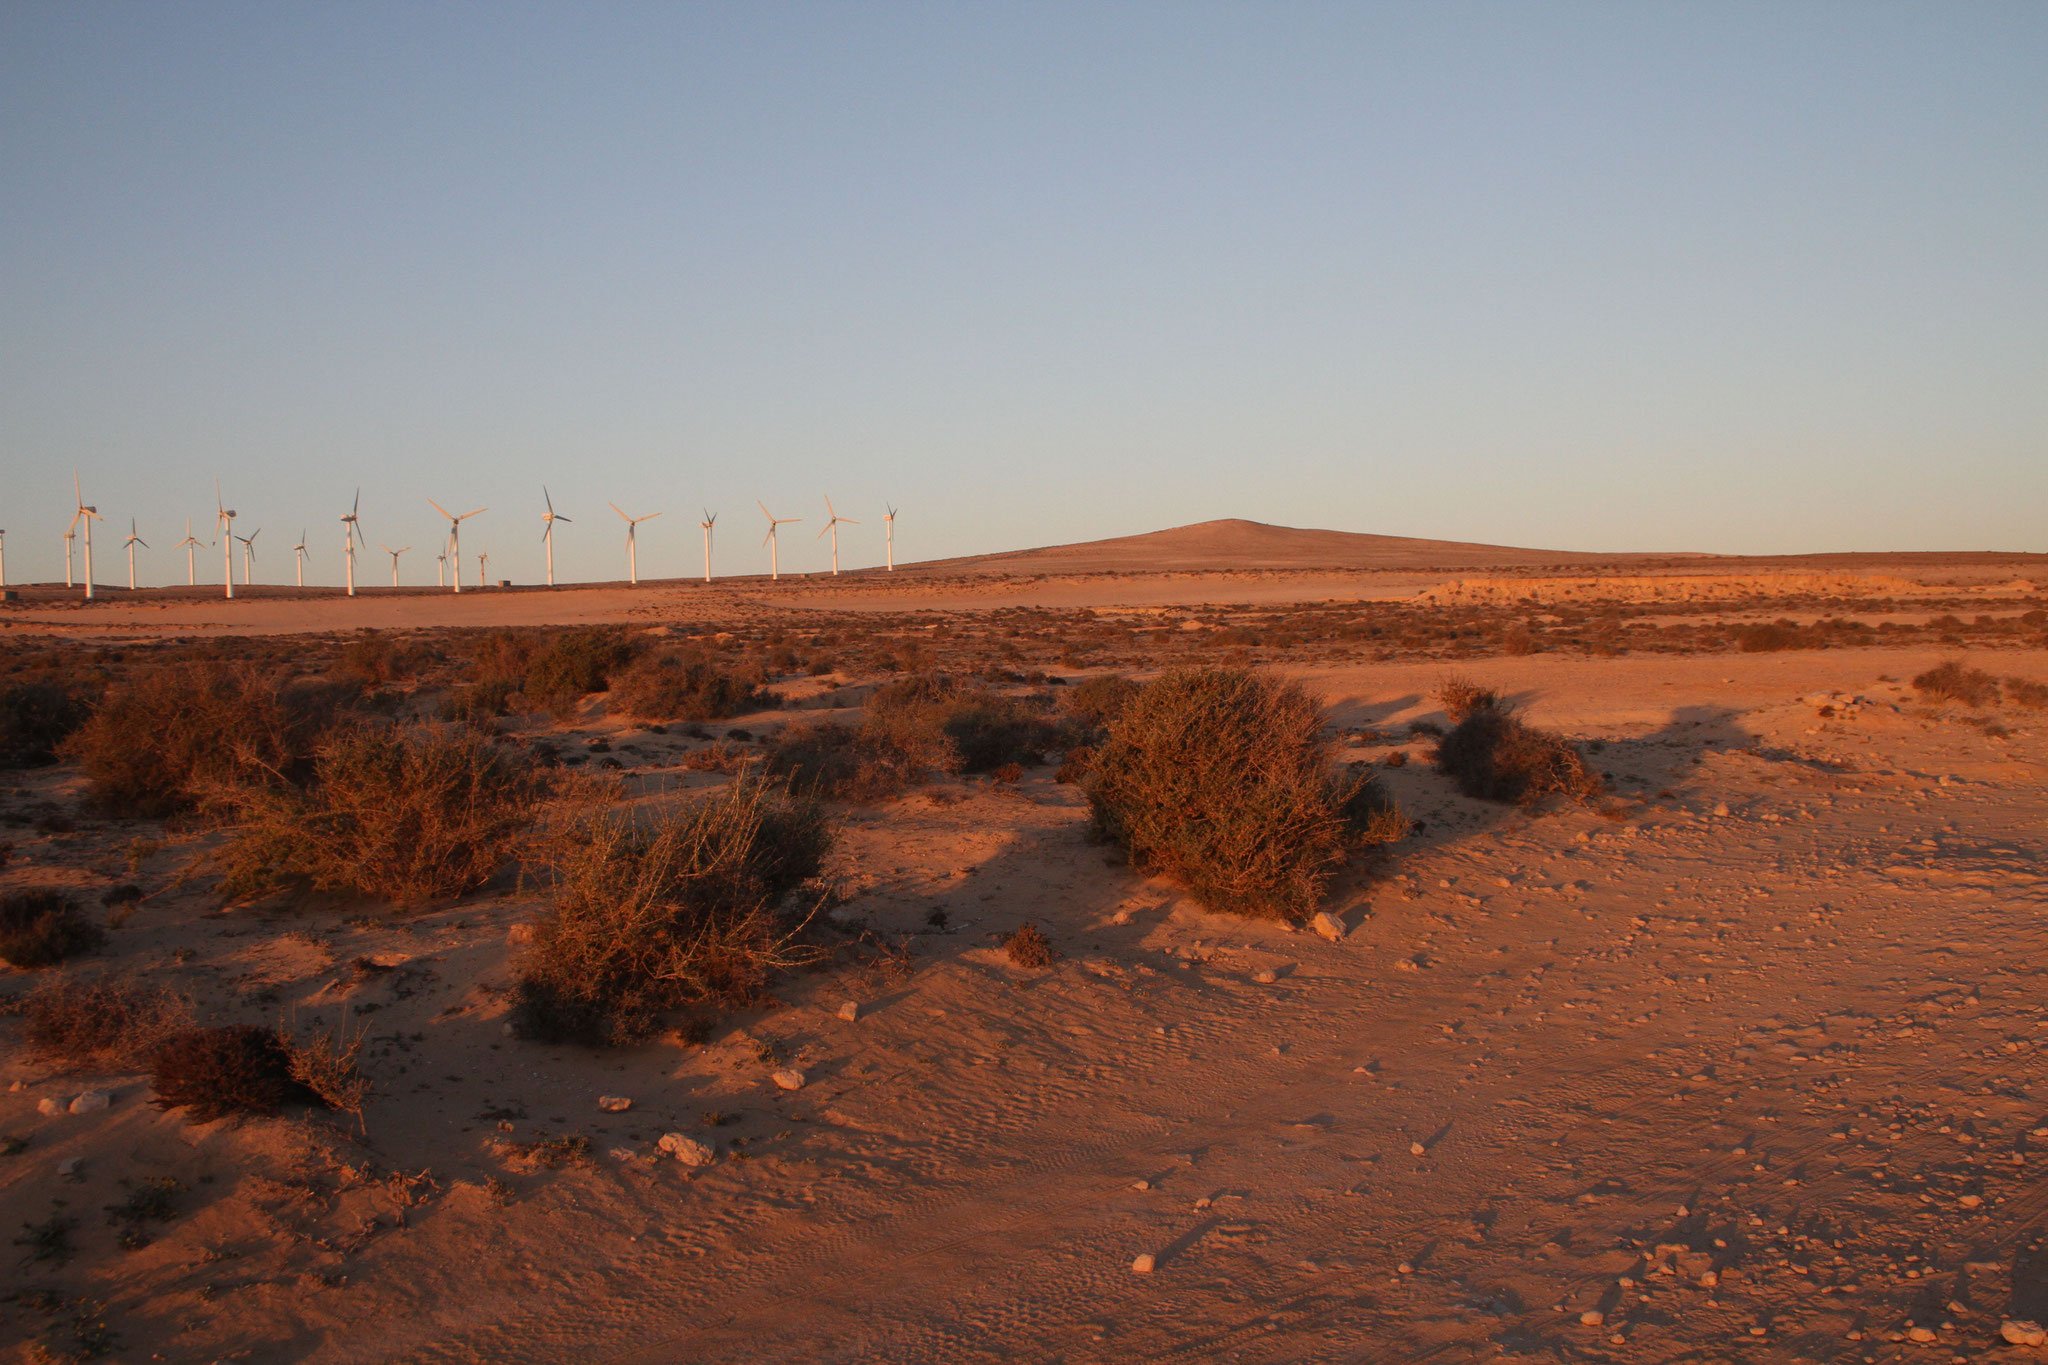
(329, 1065)
(931, 721)
(1030, 948)
(223, 1072)
(36, 717)
(41, 927)
(49, 1240)
(1461, 696)
(573, 664)
(1951, 681)
(2027, 695)
(402, 815)
(669, 686)
(655, 915)
(1221, 779)
(107, 1022)
(1494, 756)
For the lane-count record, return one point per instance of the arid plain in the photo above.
(1742, 1057)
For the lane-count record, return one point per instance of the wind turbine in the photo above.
(299, 553)
(632, 552)
(710, 518)
(350, 534)
(394, 560)
(70, 534)
(3, 557)
(133, 541)
(187, 545)
(88, 515)
(547, 531)
(483, 561)
(226, 516)
(833, 527)
(441, 569)
(455, 537)
(889, 521)
(774, 565)
(249, 555)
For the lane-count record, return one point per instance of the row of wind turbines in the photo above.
(448, 570)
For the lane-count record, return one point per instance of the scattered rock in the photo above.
(2022, 1332)
(1417, 1149)
(850, 1011)
(1710, 1280)
(1145, 1264)
(622, 1155)
(519, 933)
(1971, 1201)
(47, 1105)
(686, 1149)
(1404, 1269)
(1328, 926)
(614, 1104)
(1720, 808)
(789, 1080)
(1141, 1184)
(1592, 1317)
(1920, 1334)
(67, 1169)
(1265, 976)
(92, 1101)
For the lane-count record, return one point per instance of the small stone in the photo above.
(1592, 1317)
(686, 1149)
(67, 1169)
(622, 1155)
(1204, 1202)
(788, 1080)
(1328, 926)
(1141, 1184)
(1720, 808)
(1404, 1269)
(614, 1104)
(1265, 976)
(1971, 1201)
(1711, 1279)
(2022, 1332)
(519, 933)
(91, 1101)
(1417, 1149)
(1920, 1334)
(1145, 1263)
(849, 1010)
(47, 1105)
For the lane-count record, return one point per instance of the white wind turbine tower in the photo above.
(455, 538)
(226, 516)
(351, 532)
(889, 522)
(88, 515)
(483, 562)
(547, 531)
(299, 554)
(3, 557)
(189, 545)
(833, 527)
(710, 519)
(774, 565)
(70, 534)
(249, 555)
(632, 551)
(133, 541)
(394, 560)
(441, 569)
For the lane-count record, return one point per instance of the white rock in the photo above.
(789, 1080)
(92, 1101)
(686, 1149)
(2022, 1332)
(47, 1105)
(850, 1011)
(1328, 925)
(1145, 1264)
(614, 1104)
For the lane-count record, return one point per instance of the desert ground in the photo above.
(1745, 1058)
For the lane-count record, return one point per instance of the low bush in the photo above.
(479, 703)
(838, 761)
(35, 717)
(99, 1024)
(574, 663)
(1097, 701)
(1493, 756)
(401, 815)
(41, 927)
(1952, 682)
(1221, 779)
(176, 726)
(1461, 696)
(655, 915)
(1771, 637)
(221, 1072)
(374, 658)
(670, 686)
(1030, 948)
(931, 721)
(2024, 693)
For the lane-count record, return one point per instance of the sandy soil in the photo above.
(1744, 1064)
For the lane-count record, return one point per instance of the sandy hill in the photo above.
(1237, 544)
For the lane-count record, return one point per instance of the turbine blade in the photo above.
(479, 512)
(764, 509)
(357, 505)
(615, 507)
(550, 501)
(439, 508)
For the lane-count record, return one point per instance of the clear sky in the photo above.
(1734, 277)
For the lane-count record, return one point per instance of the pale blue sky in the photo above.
(1728, 277)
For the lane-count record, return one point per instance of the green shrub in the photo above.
(1221, 779)
(401, 815)
(1953, 682)
(655, 915)
(671, 686)
(35, 717)
(41, 927)
(172, 728)
(1493, 756)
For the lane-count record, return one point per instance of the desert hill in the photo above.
(1234, 543)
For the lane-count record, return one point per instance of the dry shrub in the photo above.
(35, 717)
(574, 663)
(41, 927)
(401, 815)
(173, 727)
(219, 1072)
(1518, 641)
(1030, 948)
(2030, 695)
(373, 658)
(1097, 701)
(1493, 756)
(544, 1153)
(671, 686)
(1771, 637)
(101, 1024)
(329, 1065)
(720, 756)
(1221, 779)
(932, 721)
(1951, 681)
(839, 761)
(1461, 696)
(654, 915)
